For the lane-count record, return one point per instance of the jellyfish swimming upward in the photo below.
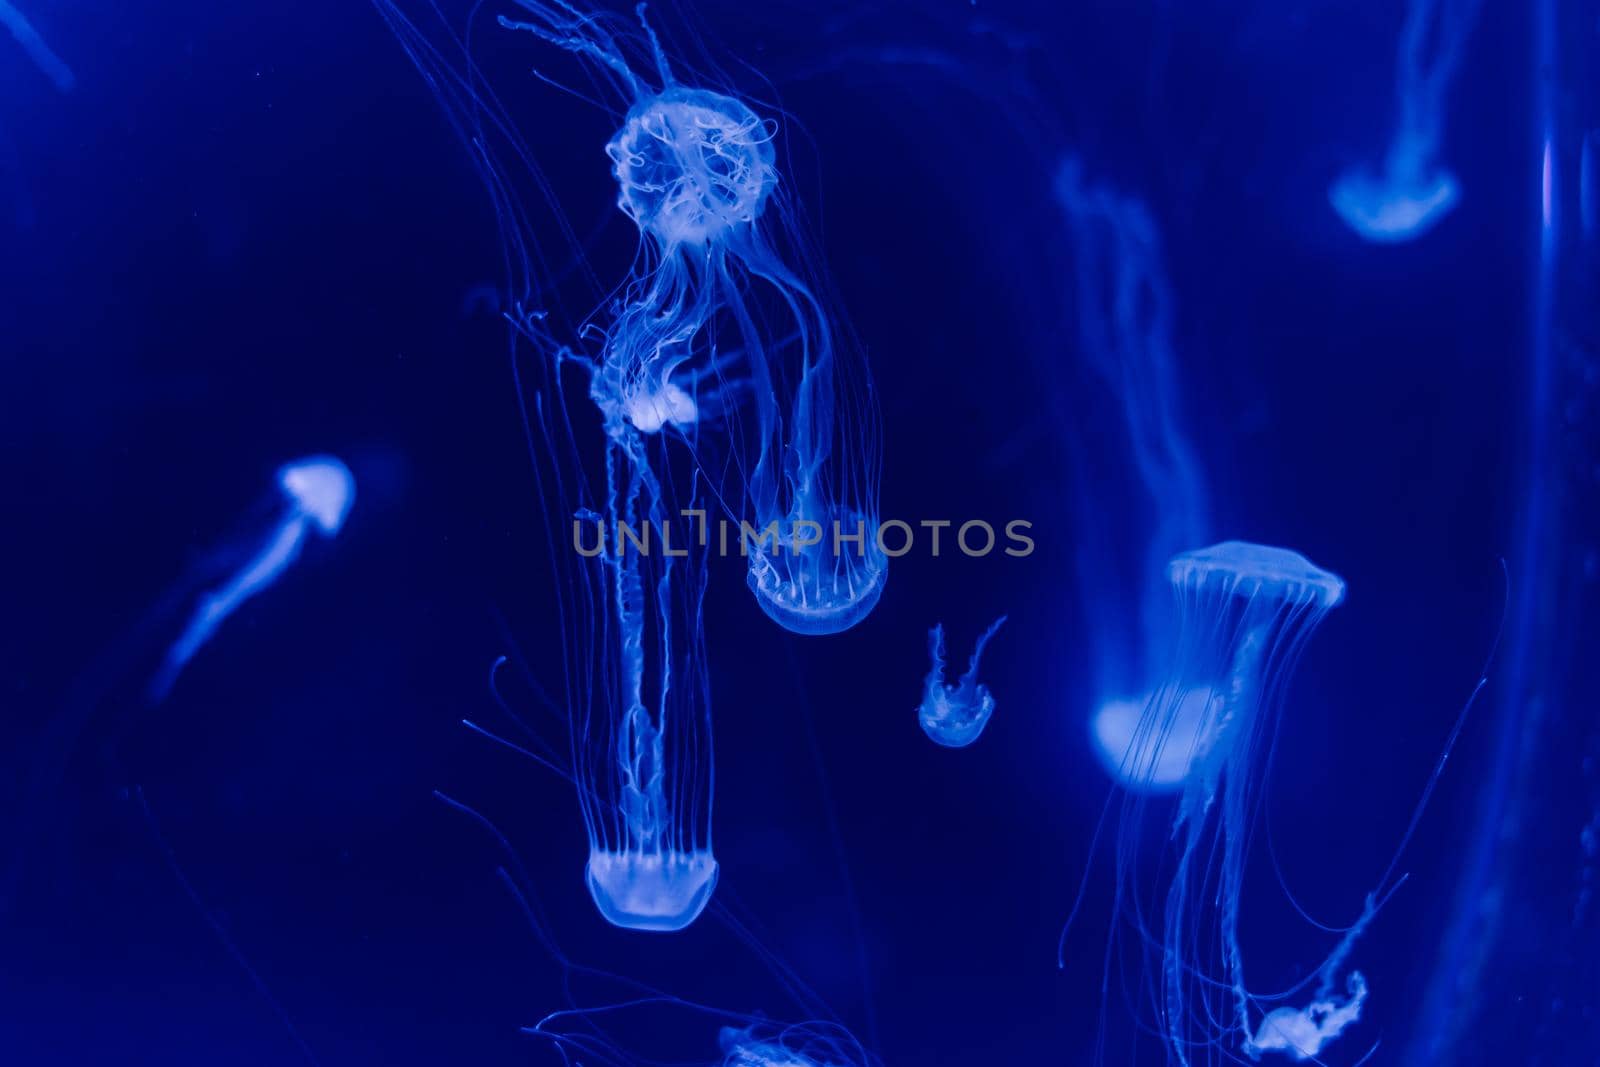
(316, 493)
(1246, 614)
(722, 335)
(954, 715)
(1412, 190)
(1125, 325)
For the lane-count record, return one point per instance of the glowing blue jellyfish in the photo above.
(317, 493)
(636, 699)
(28, 37)
(954, 715)
(1247, 611)
(1125, 323)
(720, 318)
(1413, 190)
(644, 772)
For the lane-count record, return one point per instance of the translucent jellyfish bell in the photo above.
(691, 164)
(1246, 612)
(321, 488)
(1390, 209)
(954, 715)
(815, 582)
(1151, 757)
(651, 890)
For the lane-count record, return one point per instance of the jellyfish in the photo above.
(617, 1020)
(313, 494)
(1412, 190)
(954, 715)
(1246, 614)
(636, 697)
(317, 492)
(33, 44)
(1125, 323)
(721, 336)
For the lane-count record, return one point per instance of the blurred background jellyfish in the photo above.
(721, 322)
(28, 37)
(1125, 326)
(636, 699)
(1246, 613)
(1412, 190)
(954, 715)
(317, 493)
(313, 496)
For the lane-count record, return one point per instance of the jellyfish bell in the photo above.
(321, 488)
(661, 890)
(1252, 572)
(812, 582)
(692, 164)
(1153, 760)
(1385, 210)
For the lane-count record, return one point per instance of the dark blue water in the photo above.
(247, 235)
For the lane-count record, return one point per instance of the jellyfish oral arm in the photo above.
(28, 37)
(262, 570)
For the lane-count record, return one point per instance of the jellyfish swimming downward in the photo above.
(1246, 614)
(720, 336)
(954, 715)
(1413, 190)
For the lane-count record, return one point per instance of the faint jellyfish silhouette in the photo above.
(954, 715)
(721, 315)
(317, 494)
(1125, 324)
(33, 44)
(1246, 612)
(1412, 191)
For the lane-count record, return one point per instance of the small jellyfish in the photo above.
(954, 715)
(1413, 190)
(28, 37)
(317, 494)
(1247, 612)
(1125, 319)
(723, 336)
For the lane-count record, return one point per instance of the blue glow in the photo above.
(954, 715)
(1408, 195)
(317, 492)
(1247, 613)
(725, 260)
(28, 37)
(1125, 319)
(637, 703)
(803, 1045)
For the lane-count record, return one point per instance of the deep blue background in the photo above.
(248, 235)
